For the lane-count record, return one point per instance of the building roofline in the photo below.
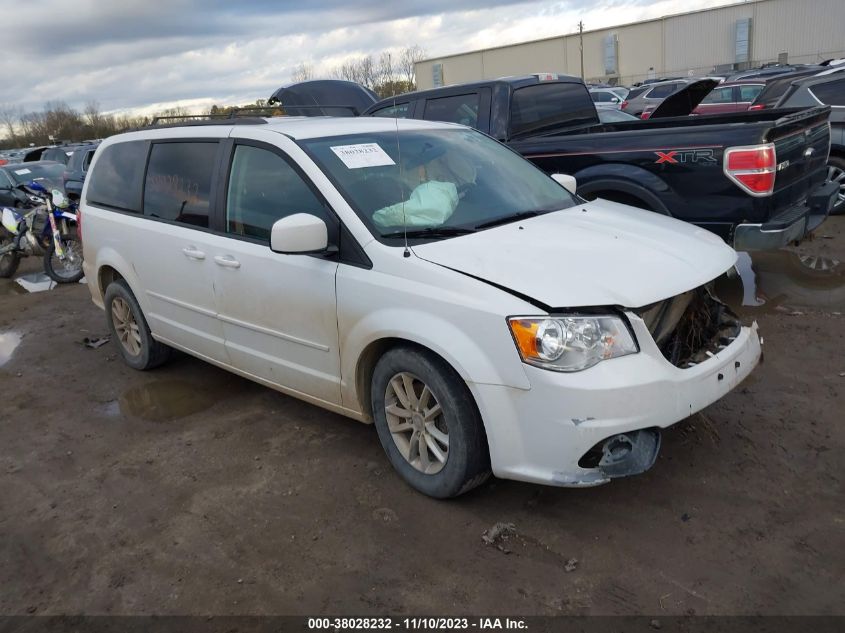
(604, 28)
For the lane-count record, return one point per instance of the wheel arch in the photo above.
(111, 266)
(369, 357)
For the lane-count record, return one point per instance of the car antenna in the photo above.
(407, 251)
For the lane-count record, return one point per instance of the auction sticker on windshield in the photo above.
(362, 155)
(21, 172)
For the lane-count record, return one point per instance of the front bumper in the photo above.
(540, 435)
(790, 226)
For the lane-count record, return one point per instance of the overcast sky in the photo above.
(148, 55)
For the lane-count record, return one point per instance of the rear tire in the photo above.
(130, 331)
(428, 423)
(836, 171)
(10, 261)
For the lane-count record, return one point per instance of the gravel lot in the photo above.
(187, 490)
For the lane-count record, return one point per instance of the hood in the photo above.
(334, 97)
(682, 102)
(594, 254)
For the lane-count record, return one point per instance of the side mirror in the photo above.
(569, 182)
(299, 234)
(614, 100)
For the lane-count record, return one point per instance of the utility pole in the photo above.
(581, 38)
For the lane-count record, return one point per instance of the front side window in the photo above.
(86, 160)
(116, 180)
(398, 111)
(178, 185)
(601, 97)
(461, 109)
(264, 188)
(448, 182)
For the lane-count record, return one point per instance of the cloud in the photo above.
(132, 56)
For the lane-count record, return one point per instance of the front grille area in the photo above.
(691, 327)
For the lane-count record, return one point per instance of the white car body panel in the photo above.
(593, 254)
(307, 325)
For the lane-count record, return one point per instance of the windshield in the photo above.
(24, 172)
(447, 182)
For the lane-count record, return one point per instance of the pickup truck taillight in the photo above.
(752, 168)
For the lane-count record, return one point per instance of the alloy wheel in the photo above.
(416, 423)
(836, 174)
(126, 327)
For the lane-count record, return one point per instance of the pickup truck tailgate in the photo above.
(802, 143)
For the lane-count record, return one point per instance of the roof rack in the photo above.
(179, 120)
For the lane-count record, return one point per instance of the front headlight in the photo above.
(571, 343)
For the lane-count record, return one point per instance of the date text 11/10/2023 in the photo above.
(416, 624)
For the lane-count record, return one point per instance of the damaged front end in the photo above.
(691, 327)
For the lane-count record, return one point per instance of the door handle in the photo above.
(191, 252)
(227, 261)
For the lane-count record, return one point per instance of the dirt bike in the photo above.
(47, 230)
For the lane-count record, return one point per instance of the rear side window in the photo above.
(461, 109)
(661, 92)
(830, 93)
(719, 95)
(264, 188)
(116, 181)
(398, 111)
(749, 93)
(636, 92)
(550, 105)
(178, 185)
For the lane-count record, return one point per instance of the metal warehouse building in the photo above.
(736, 36)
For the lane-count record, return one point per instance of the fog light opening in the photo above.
(616, 449)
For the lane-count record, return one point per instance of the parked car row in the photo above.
(682, 166)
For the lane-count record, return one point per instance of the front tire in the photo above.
(69, 270)
(428, 423)
(130, 331)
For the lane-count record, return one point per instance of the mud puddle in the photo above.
(167, 400)
(9, 342)
(11, 287)
(766, 281)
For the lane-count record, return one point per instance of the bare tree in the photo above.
(9, 117)
(302, 72)
(408, 59)
(93, 118)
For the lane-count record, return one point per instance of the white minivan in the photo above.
(420, 276)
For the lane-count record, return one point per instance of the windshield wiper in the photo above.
(513, 217)
(432, 231)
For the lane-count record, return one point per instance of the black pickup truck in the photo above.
(757, 179)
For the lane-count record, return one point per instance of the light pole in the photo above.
(581, 40)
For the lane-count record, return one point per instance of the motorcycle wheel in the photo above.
(10, 261)
(68, 271)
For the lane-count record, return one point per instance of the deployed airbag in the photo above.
(430, 204)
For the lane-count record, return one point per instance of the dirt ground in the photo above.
(187, 490)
